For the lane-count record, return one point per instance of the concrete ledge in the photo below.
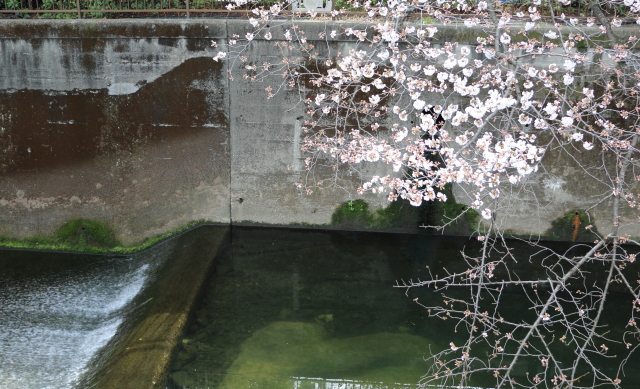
(111, 29)
(141, 358)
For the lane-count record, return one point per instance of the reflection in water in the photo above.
(344, 325)
(58, 312)
(284, 309)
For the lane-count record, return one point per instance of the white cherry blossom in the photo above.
(393, 93)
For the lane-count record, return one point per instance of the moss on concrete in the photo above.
(451, 209)
(95, 238)
(352, 212)
(402, 215)
(396, 214)
(86, 232)
(356, 214)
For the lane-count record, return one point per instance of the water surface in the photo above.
(292, 308)
(301, 308)
(58, 310)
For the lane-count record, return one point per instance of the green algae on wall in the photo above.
(86, 232)
(451, 210)
(460, 219)
(95, 238)
(356, 213)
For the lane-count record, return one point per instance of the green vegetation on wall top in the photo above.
(401, 215)
(86, 232)
(91, 236)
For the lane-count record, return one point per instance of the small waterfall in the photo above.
(54, 322)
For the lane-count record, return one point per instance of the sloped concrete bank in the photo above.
(131, 122)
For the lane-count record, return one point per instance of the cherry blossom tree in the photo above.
(482, 113)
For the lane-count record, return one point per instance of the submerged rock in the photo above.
(328, 318)
(284, 352)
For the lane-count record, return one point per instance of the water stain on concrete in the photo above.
(66, 128)
(143, 163)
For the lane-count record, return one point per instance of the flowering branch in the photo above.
(484, 115)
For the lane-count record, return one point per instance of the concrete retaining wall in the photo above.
(131, 122)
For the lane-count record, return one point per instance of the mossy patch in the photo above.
(457, 219)
(396, 214)
(352, 212)
(451, 209)
(356, 214)
(96, 238)
(401, 214)
(86, 232)
(572, 227)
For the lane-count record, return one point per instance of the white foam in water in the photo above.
(51, 327)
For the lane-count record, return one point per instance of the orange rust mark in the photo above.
(576, 227)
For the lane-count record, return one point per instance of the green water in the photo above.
(308, 304)
(304, 309)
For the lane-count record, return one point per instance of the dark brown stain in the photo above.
(91, 45)
(40, 130)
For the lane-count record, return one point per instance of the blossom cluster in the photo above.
(381, 98)
(494, 100)
(477, 159)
